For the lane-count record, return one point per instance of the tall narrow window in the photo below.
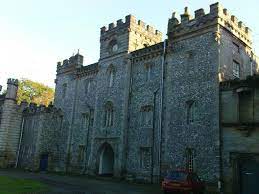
(81, 153)
(190, 159)
(148, 69)
(111, 75)
(236, 69)
(64, 90)
(91, 117)
(111, 79)
(145, 158)
(61, 122)
(191, 111)
(108, 114)
(84, 123)
(236, 48)
(88, 86)
(146, 116)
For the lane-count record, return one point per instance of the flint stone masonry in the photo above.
(166, 103)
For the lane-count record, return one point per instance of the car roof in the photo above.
(182, 170)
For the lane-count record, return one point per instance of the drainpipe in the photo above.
(153, 135)
(20, 141)
(220, 181)
(87, 140)
(71, 126)
(128, 118)
(161, 106)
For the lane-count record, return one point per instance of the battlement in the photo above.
(33, 108)
(217, 15)
(12, 81)
(76, 60)
(129, 24)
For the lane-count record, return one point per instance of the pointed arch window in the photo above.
(148, 71)
(88, 86)
(191, 111)
(111, 75)
(108, 114)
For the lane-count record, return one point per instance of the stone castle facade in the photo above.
(147, 106)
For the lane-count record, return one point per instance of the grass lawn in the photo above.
(20, 186)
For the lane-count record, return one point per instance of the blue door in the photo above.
(44, 162)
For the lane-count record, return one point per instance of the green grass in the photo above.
(20, 186)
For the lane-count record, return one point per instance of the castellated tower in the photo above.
(11, 118)
(202, 51)
(128, 36)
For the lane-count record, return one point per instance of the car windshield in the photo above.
(177, 176)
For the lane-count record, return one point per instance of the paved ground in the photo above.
(61, 184)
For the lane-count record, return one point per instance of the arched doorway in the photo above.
(106, 161)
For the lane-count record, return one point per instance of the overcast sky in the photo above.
(35, 34)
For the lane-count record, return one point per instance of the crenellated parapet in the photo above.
(131, 24)
(216, 16)
(73, 62)
(33, 108)
(91, 69)
(12, 88)
(12, 81)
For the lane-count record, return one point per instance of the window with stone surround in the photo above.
(236, 69)
(236, 48)
(85, 121)
(146, 116)
(191, 111)
(190, 159)
(145, 158)
(111, 75)
(108, 114)
(91, 117)
(148, 72)
(81, 153)
(88, 86)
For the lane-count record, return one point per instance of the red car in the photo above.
(182, 181)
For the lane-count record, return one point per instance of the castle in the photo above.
(147, 106)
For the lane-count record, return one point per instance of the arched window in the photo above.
(191, 111)
(148, 71)
(111, 74)
(108, 114)
(88, 86)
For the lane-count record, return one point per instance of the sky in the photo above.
(36, 34)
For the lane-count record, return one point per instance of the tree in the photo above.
(35, 92)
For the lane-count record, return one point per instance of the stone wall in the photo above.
(44, 132)
(144, 111)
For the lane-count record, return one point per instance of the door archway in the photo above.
(106, 161)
